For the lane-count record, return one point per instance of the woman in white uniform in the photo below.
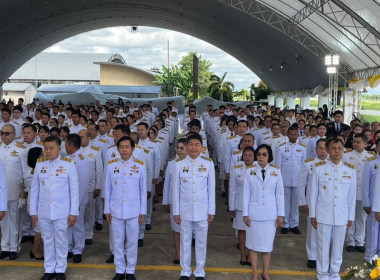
(235, 204)
(167, 200)
(263, 208)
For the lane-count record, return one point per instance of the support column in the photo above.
(291, 103)
(323, 98)
(280, 102)
(305, 102)
(271, 100)
(348, 107)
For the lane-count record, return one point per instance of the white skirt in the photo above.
(238, 222)
(222, 174)
(260, 236)
(175, 227)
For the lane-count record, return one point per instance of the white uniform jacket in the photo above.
(3, 188)
(369, 176)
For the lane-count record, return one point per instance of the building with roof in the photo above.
(14, 91)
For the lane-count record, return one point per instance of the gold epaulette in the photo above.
(95, 148)
(320, 163)
(111, 146)
(40, 143)
(238, 166)
(110, 135)
(112, 161)
(146, 151)
(237, 152)
(310, 159)
(20, 145)
(349, 165)
(231, 137)
(173, 158)
(302, 144)
(162, 138)
(372, 153)
(81, 156)
(66, 159)
(282, 144)
(204, 149)
(103, 140)
(42, 159)
(250, 166)
(275, 166)
(139, 161)
(138, 146)
(206, 158)
(348, 150)
(274, 137)
(179, 159)
(372, 158)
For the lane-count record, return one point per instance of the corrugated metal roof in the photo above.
(62, 67)
(96, 88)
(16, 86)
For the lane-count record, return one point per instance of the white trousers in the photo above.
(76, 234)
(311, 241)
(125, 228)
(89, 216)
(148, 218)
(111, 241)
(10, 228)
(372, 247)
(356, 233)
(291, 207)
(99, 210)
(26, 221)
(54, 235)
(329, 237)
(201, 229)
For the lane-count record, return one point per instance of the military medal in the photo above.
(273, 173)
(202, 168)
(324, 187)
(14, 153)
(253, 172)
(186, 169)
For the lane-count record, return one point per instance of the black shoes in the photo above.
(32, 256)
(148, 227)
(25, 239)
(295, 230)
(110, 259)
(88, 241)
(311, 264)
(184, 278)
(141, 243)
(48, 276)
(176, 261)
(351, 249)
(284, 230)
(223, 195)
(60, 276)
(70, 255)
(360, 249)
(13, 256)
(130, 276)
(118, 276)
(199, 278)
(98, 226)
(4, 254)
(77, 258)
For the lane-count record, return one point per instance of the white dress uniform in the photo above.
(311, 151)
(290, 157)
(262, 134)
(263, 202)
(3, 188)
(76, 233)
(235, 197)
(356, 234)
(167, 195)
(231, 145)
(125, 200)
(193, 199)
(12, 155)
(54, 196)
(274, 142)
(76, 128)
(93, 154)
(371, 168)
(332, 203)
(304, 190)
(221, 151)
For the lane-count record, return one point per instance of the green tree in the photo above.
(220, 89)
(204, 73)
(241, 95)
(261, 91)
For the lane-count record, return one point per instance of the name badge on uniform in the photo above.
(326, 174)
(43, 170)
(14, 153)
(202, 168)
(298, 151)
(134, 167)
(115, 182)
(185, 181)
(286, 150)
(43, 182)
(186, 169)
(239, 176)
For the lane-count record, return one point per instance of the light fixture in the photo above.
(282, 65)
(332, 60)
(331, 70)
(134, 29)
(335, 59)
(328, 60)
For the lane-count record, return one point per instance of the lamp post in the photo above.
(332, 63)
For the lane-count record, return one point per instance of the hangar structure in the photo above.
(283, 41)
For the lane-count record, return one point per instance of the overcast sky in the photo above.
(148, 48)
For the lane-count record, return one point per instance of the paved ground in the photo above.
(155, 258)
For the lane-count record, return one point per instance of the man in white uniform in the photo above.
(3, 191)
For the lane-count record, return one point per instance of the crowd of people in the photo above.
(65, 168)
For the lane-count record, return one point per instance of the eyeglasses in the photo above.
(262, 155)
(5, 133)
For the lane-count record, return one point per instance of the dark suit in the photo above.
(332, 131)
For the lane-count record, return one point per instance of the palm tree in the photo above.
(220, 88)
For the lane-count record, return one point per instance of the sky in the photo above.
(147, 48)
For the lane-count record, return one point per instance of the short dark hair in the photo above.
(65, 129)
(144, 124)
(320, 140)
(74, 140)
(338, 112)
(195, 136)
(268, 148)
(125, 130)
(126, 138)
(333, 140)
(51, 139)
(194, 122)
(182, 140)
(362, 136)
(29, 125)
(76, 112)
(249, 149)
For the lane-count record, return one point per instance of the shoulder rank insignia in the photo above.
(111, 146)
(206, 158)
(204, 149)
(146, 151)
(103, 140)
(274, 137)
(95, 148)
(282, 144)
(231, 137)
(110, 135)
(42, 159)
(275, 166)
(40, 143)
(162, 138)
(112, 161)
(81, 156)
(250, 166)
(371, 158)
(139, 161)
(138, 146)
(237, 152)
(320, 163)
(349, 165)
(310, 159)
(302, 144)
(20, 145)
(348, 150)
(238, 166)
(173, 158)
(66, 159)
(372, 153)
(179, 159)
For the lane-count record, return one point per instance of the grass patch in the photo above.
(370, 118)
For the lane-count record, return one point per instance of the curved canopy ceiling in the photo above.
(262, 34)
